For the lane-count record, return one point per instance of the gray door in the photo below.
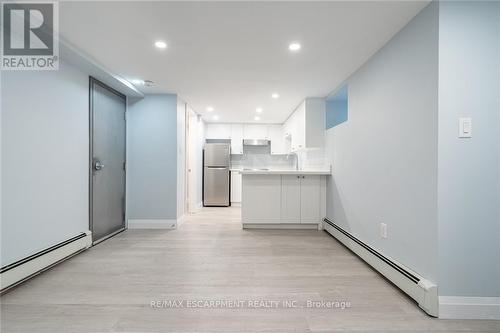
(107, 161)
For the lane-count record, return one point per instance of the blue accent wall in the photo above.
(152, 157)
(336, 112)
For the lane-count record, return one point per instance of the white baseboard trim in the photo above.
(24, 269)
(280, 226)
(456, 307)
(152, 223)
(180, 220)
(423, 291)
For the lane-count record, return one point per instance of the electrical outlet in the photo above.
(383, 230)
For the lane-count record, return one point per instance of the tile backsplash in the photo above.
(257, 157)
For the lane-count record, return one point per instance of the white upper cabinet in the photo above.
(277, 137)
(305, 127)
(255, 131)
(236, 139)
(218, 131)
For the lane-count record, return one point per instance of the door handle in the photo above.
(98, 165)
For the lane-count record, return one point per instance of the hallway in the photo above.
(110, 287)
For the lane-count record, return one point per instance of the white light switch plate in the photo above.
(383, 230)
(464, 127)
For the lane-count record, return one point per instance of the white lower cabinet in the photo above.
(300, 199)
(282, 199)
(235, 187)
(290, 199)
(310, 199)
(261, 199)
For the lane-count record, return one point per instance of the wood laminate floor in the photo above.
(110, 287)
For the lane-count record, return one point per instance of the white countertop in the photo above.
(283, 172)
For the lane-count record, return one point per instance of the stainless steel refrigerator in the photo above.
(216, 174)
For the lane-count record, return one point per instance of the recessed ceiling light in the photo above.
(215, 117)
(256, 118)
(259, 110)
(294, 47)
(210, 108)
(275, 95)
(161, 44)
(138, 82)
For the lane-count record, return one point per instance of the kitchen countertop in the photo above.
(283, 172)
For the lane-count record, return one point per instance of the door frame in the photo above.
(191, 161)
(92, 82)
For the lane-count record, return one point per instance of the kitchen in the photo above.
(276, 172)
(322, 152)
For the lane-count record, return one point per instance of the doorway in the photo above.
(107, 161)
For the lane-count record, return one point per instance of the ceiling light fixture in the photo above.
(259, 110)
(294, 47)
(256, 118)
(138, 82)
(275, 95)
(215, 117)
(210, 109)
(161, 44)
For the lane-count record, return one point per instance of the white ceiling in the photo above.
(234, 55)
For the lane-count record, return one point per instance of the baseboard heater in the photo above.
(421, 290)
(21, 270)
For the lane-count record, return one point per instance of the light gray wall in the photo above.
(152, 157)
(44, 159)
(469, 169)
(384, 157)
(199, 167)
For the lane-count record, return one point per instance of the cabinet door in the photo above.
(277, 138)
(261, 199)
(236, 139)
(255, 131)
(310, 196)
(218, 131)
(299, 128)
(314, 135)
(235, 187)
(290, 199)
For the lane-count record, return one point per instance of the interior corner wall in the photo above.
(181, 157)
(199, 166)
(44, 158)
(152, 157)
(469, 169)
(384, 157)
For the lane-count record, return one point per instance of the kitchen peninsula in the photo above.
(283, 199)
